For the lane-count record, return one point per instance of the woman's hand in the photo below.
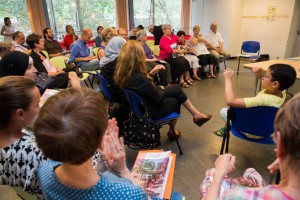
(113, 149)
(224, 165)
(228, 73)
(274, 166)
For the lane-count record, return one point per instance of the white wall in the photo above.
(241, 20)
(227, 13)
(272, 35)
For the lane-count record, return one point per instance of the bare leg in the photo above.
(211, 69)
(191, 108)
(195, 76)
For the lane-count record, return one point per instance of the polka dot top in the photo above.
(108, 187)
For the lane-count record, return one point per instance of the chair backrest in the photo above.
(150, 43)
(95, 51)
(58, 61)
(104, 86)
(46, 53)
(250, 47)
(256, 121)
(155, 49)
(136, 103)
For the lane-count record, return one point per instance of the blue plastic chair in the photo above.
(138, 107)
(249, 47)
(104, 86)
(257, 121)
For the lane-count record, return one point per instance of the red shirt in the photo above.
(68, 40)
(167, 45)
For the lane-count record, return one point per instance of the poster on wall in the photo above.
(271, 13)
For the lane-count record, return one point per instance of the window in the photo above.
(80, 14)
(17, 12)
(157, 12)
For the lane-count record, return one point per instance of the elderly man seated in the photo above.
(80, 52)
(216, 47)
(18, 42)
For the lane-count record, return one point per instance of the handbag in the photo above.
(43, 81)
(263, 57)
(141, 133)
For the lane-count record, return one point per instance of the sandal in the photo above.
(211, 75)
(183, 84)
(196, 78)
(190, 79)
(188, 82)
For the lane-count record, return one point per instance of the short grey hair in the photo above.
(151, 26)
(139, 34)
(165, 26)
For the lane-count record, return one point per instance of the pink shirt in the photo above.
(167, 45)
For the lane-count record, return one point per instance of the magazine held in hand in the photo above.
(155, 170)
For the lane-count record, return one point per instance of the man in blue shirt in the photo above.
(80, 53)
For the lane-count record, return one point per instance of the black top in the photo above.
(153, 97)
(107, 71)
(38, 62)
(158, 33)
(52, 47)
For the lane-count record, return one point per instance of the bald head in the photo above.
(123, 33)
(86, 34)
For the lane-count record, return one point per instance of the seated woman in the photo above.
(131, 73)
(19, 155)
(198, 44)
(71, 140)
(179, 65)
(190, 56)
(151, 61)
(42, 64)
(107, 34)
(287, 139)
(20, 64)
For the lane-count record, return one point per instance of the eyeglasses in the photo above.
(267, 76)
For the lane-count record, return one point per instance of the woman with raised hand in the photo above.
(19, 155)
(70, 128)
(131, 73)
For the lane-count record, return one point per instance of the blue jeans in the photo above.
(90, 66)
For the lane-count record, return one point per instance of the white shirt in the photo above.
(214, 38)
(19, 47)
(8, 30)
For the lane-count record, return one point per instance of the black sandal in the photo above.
(183, 84)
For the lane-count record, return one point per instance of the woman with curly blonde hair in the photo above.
(131, 73)
(107, 34)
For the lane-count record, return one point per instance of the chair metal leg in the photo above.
(90, 81)
(86, 83)
(223, 144)
(237, 72)
(176, 139)
(277, 178)
(225, 64)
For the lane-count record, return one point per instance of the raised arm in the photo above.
(231, 100)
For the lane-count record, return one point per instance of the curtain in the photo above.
(122, 14)
(186, 11)
(36, 16)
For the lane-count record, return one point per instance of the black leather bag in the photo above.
(263, 57)
(43, 81)
(141, 133)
